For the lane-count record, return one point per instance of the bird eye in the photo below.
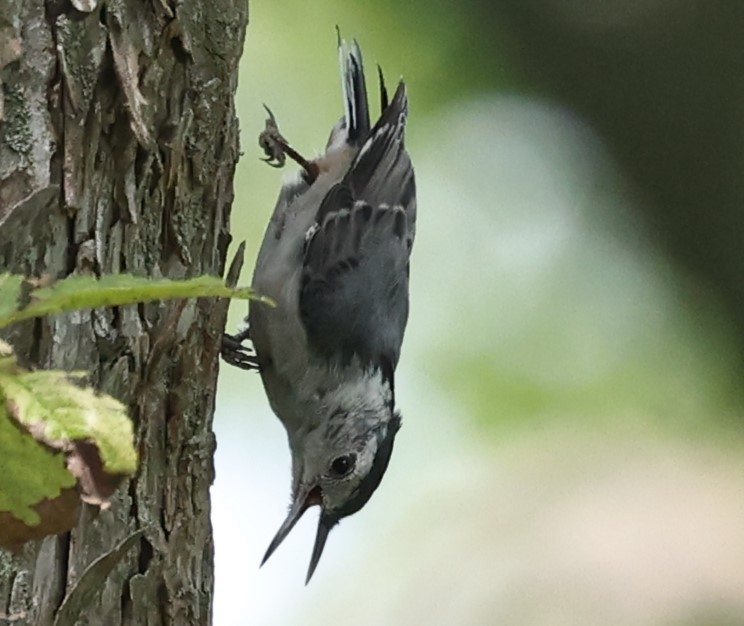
(342, 465)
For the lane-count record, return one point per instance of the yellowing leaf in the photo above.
(55, 435)
(29, 472)
(58, 412)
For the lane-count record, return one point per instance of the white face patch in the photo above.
(368, 391)
(367, 455)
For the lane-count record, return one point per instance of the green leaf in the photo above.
(29, 472)
(59, 443)
(10, 291)
(20, 301)
(58, 412)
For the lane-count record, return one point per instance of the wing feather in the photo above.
(354, 287)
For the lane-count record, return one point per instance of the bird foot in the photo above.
(235, 353)
(277, 149)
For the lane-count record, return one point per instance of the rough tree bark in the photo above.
(118, 144)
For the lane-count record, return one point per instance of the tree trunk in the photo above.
(118, 145)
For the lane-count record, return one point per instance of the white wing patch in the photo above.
(368, 144)
(310, 232)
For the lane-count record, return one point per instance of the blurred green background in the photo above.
(571, 380)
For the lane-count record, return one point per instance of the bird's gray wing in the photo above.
(354, 286)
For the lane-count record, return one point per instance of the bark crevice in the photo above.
(117, 153)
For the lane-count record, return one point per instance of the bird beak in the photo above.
(324, 526)
(305, 498)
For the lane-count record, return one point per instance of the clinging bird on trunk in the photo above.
(335, 259)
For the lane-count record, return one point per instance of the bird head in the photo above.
(339, 459)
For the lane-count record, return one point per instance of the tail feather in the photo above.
(382, 166)
(383, 91)
(356, 104)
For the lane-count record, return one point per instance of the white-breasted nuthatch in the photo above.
(335, 259)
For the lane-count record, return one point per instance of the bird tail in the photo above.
(356, 103)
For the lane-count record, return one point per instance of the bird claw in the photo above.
(272, 143)
(235, 353)
(277, 149)
(275, 161)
